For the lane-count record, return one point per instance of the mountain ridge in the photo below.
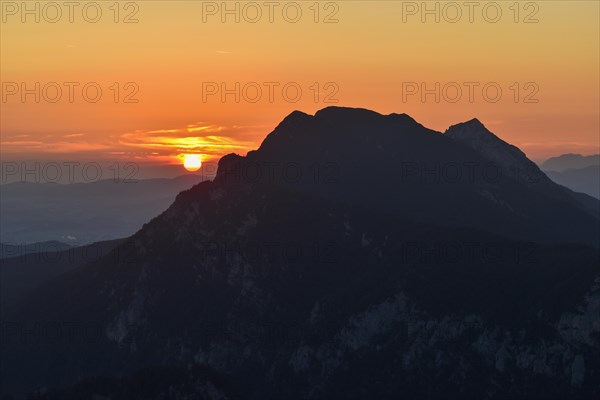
(399, 149)
(570, 161)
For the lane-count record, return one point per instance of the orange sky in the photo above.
(177, 50)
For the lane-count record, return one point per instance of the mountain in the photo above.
(570, 161)
(394, 164)
(510, 158)
(82, 213)
(577, 172)
(27, 267)
(343, 259)
(518, 167)
(584, 180)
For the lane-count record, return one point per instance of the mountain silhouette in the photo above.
(577, 172)
(516, 165)
(464, 178)
(570, 161)
(347, 257)
(27, 267)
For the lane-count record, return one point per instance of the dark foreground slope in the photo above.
(24, 271)
(304, 289)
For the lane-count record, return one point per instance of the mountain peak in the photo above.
(470, 129)
(295, 116)
(334, 112)
(228, 164)
(474, 121)
(344, 115)
(475, 135)
(337, 110)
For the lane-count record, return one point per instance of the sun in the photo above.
(192, 162)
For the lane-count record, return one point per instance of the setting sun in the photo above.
(192, 162)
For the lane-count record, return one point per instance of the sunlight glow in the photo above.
(192, 162)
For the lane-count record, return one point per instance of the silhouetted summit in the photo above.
(475, 135)
(516, 165)
(467, 177)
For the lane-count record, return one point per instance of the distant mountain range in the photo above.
(570, 161)
(353, 255)
(577, 172)
(16, 250)
(82, 213)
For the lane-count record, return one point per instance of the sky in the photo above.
(149, 81)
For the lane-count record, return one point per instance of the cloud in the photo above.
(210, 140)
(165, 144)
(53, 147)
